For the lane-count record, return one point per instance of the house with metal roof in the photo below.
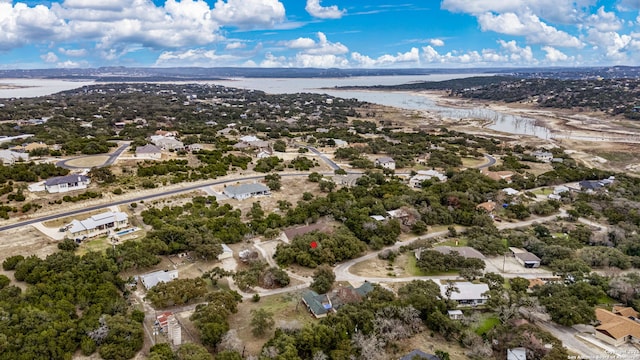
(98, 224)
(386, 163)
(61, 184)
(149, 151)
(163, 276)
(9, 157)
(318, 305)
(245, 191)
(525, 258)
(466, 293)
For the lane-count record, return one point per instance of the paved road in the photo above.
(112, 158)
(137, 199)
(490, 162)
(322, 156)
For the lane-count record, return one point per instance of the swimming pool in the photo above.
(127, 231)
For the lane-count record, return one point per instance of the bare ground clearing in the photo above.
(88, 161)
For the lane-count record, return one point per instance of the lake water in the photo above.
(500, 121)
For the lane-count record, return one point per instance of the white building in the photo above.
(9, 157)
(386, 163)
(245, 191)
(100, 224)
(167, 142)
(423, 175)
(152, 279)
(543, 156)
(226, 252)
(61, 184)
(466, 293)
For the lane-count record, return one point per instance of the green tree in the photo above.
(323, 279)
(273, 182)
(192, 351)
(261, 322)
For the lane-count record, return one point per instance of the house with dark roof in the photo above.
(320, 305)
(464, 251)
(525, 258)
(66, 183)
(245, 191)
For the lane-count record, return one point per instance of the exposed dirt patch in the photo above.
(25, 241)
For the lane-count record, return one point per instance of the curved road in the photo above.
(112, 158)
(490, 162)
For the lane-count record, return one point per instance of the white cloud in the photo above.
(49, 57)
(71, 64)
(529, 26)
(604, 21)
(320, 47)
(614, 44)
(300, 43)
(315, 9)
(436, 42)
(321, 61)
(73, 52)
(561, 11)
(554, 55)
(20, 24)
(249, 13)
(516, 53)
(271, 60)
(235, 45)
(412, 58)
(194, 57)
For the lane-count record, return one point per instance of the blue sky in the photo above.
(319, 33)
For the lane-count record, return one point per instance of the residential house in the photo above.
(510, 191)
(152, 279)
(488, 206)
(61, 184)
(340, 143)
(195, 147)
(466, 293)
(422, 175)
(320, 305)
(377, 217)
(543, 156)
(525, 258)
(264, 153)
(167, 142)
(149, 151)
(9, 157)
(560, 189)
(594, 185)
(245, 191)
(465, 251)
(386, 163)
(399, 214)
(98, 224)
(617, 328)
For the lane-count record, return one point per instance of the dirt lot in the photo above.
(25, 241)
(88, 161)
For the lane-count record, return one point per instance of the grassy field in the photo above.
(454, 243)
(99, 244)
(486, 325)
(289, 312)
(543, 191)
(412, 268)
(88, 161)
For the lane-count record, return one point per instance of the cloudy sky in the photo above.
(319, 33)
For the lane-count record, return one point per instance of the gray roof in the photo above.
(527, 257)
(420, 354)
(235, 190)
(96, 221)
(68, 179)
(466, 291)
(152, 279)
(464, 251)
(384, 160)
(148, 149)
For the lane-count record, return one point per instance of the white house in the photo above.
(167, 142)
(466, 293)
(61, 184)
(152, 279)
(9, 157)
(510, 191)
(149, 151)
(386, 162)
(543, 156)
(245, 191)
(97, 224)
(423, 175)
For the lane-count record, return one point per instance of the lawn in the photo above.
(543, 191)
(411, 267)
(288, 312)
(99, 244)
(487, 324)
